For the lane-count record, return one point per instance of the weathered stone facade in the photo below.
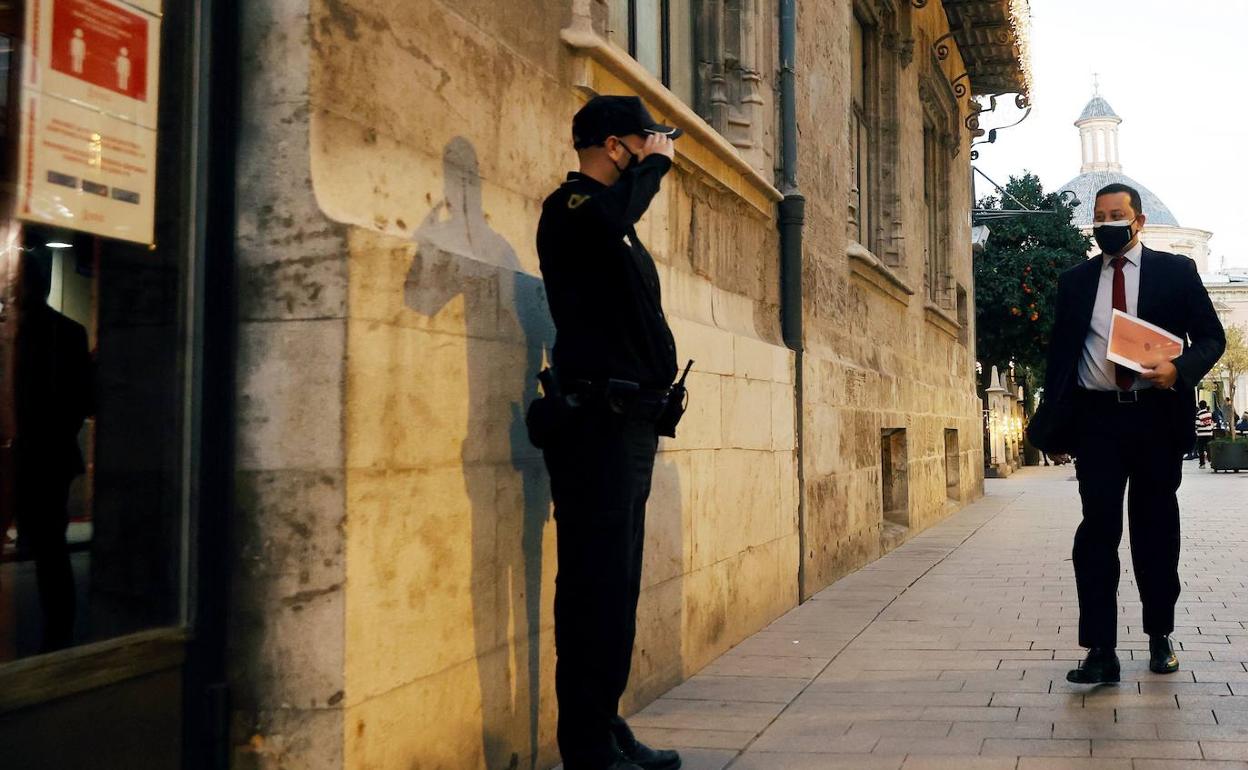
(397, 555)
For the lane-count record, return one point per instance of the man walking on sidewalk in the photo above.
(1129, 431)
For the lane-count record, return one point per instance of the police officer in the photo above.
(614, 360)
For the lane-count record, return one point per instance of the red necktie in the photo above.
(1122, 375)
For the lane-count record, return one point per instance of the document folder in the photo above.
(1139, 345)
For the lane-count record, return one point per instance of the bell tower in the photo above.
(1098, 134)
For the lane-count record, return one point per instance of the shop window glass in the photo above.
(92, 361)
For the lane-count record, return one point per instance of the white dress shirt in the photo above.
(1096, 372)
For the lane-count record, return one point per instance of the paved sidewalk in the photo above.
(951, 652)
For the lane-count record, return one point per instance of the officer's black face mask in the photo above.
(632, 158)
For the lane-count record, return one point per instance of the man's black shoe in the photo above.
(1100, 666)
(639, 753)
(1161, 657)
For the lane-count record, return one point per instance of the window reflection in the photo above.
(90, 523)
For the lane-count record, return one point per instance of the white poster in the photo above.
(89, 112)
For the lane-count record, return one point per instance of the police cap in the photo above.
(605, 116)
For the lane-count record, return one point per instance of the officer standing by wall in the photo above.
(606, 402)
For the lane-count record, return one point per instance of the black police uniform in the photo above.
(615, 358)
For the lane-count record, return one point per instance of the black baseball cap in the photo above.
(605, 116)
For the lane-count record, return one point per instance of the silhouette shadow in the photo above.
(508, 330)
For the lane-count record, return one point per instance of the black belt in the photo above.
(620, 396)
(1124, 397)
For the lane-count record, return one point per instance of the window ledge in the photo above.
(867, 266)
(42, 678)
(604, 68)
(938, 317)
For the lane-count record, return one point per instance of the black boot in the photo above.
(1161, 657)
(1100, 666)
(639, 753)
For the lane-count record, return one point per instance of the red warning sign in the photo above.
(101, 44)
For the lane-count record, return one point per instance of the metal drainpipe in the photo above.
(792, 217)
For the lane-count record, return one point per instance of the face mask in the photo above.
(1113, 237)
(632, 159)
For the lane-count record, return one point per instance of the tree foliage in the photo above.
(1234, 361)
(1016, 277)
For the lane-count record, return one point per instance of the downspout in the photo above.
(792, 217)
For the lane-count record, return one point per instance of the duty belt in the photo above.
(620, 396)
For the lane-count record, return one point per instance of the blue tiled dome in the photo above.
(1085, 186)
(1097, 108)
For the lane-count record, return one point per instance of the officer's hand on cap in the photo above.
(658, 144)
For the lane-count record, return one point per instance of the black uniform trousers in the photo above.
(1126, 447)
(600, 472)
(42, 522)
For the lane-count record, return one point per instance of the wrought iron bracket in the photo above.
(959, 88)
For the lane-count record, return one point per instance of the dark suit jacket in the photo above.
(1172, 297)
(54, 396)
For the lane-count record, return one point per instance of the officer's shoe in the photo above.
(639, 753)
(647, 758)
(1161, 657)
(1100, 666)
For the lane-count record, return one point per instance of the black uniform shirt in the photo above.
(601, 282)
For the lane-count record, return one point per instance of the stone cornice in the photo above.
(866, 266)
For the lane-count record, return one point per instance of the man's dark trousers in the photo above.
(1121, 449)
(600, 475)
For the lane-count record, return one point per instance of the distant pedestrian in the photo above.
(1204, 432)
(1125, 428)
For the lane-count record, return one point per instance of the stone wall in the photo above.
(397, 556)
(877, 357)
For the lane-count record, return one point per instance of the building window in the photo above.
(940, 145)
(659, 35)
(964, 319)
(705, 52)
(877, 53)
(859, 133)
(935, 202)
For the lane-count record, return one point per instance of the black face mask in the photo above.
(632, 159)
(1113, 237)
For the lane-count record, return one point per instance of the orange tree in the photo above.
(1016, 276)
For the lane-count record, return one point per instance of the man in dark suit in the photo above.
(54, 396)
(1125, 429)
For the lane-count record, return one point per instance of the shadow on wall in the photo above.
(508, 329)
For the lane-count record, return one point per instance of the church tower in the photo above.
(1098, 135)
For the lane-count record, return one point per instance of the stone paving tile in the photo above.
(952, 652)
(766, 760)
(919, 762)
(676, 738)
(1025, 747)
(1186, 764)
(1146, 749)
(1072, 763)
(1224, 750)
(739, 688)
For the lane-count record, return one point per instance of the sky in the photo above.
(1176, 72)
